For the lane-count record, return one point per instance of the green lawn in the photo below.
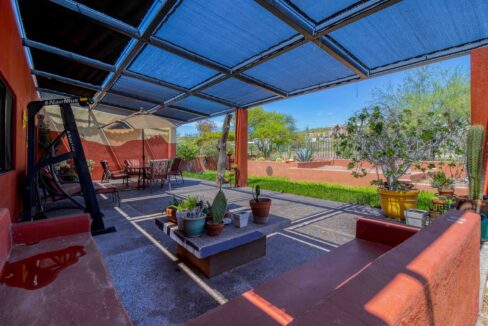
(346, 194)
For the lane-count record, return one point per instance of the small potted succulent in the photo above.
(443, 184)
(259, 206)
(217, 212)
(171, 210)
(440, 205)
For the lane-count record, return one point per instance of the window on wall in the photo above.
(6, 127)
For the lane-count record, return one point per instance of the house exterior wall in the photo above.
(14, 70)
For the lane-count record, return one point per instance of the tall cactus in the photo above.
(219, 206)
(474, 161)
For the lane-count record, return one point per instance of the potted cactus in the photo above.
(217, 212)
(259, 206)
(474, 168)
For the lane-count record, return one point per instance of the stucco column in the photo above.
(479, 96)
(241, 146)
(172, 143)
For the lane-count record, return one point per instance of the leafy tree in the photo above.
(427, 115)
(208, 138)
(206, 126)
(270, 129)
(187, 149)
(445, 93)
(391, 140)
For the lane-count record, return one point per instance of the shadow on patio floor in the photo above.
(158, 289)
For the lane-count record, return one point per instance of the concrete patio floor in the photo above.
(157, 289)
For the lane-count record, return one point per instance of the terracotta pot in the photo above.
(260, 210)
(446, 192)
(171, 212)
(434, 214)
(439, 201)
(394, 203)
(214, 229)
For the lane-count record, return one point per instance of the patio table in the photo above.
(141, 173)
(232, 248)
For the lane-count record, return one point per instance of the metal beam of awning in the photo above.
(308, 28)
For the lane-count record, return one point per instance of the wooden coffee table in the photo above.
(232, 248)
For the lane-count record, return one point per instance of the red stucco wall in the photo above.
(15, 71)
(334, 172)
(479, 94)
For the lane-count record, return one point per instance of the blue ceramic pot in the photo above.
(193, 227)
(484, 228)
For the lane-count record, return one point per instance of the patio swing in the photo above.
(42, 181)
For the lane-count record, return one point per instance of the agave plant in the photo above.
(304, 154)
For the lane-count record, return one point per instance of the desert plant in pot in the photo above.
(474, 168)
(440, 205)
(193, 219)
(217, 211)
(259, 206)
(180, 209)
(171, 210)
(443, 184)
(392, 140)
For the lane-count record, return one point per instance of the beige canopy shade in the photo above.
(143, 121)
(140, 120)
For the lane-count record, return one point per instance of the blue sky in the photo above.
(334, 106)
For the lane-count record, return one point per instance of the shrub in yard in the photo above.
(261, 159)
(187, 150)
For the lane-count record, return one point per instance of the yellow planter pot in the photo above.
(394, 203)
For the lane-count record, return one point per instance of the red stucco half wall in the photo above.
(15, 71)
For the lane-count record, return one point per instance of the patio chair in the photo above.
(132, 167)
(233, 173)
(108, 174)
(175, 169)
(158, 170)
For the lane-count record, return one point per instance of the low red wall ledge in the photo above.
(430, 279)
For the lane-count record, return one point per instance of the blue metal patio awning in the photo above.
(192, 59)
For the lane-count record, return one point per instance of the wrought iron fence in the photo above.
(323, 149)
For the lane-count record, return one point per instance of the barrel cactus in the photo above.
(218, 208)
(474, 161)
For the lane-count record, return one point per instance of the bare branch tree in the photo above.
(222, 148)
